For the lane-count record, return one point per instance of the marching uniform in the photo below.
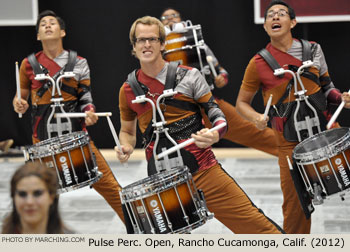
(77, 98)
(319, 88)
(223, 195)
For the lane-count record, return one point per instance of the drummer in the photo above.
(223, 195)
(279, 22)
(75, 91)
(240, 130)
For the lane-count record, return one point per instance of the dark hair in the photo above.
(46, 13)
(276, 2)
(55, 225)
(169, 8)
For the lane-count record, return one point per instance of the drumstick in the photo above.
(268, 105)
(115, 136)
(211, 65)
(75, 115)
(336, 113)
(18, 86)
(289, 163)
(187, 142)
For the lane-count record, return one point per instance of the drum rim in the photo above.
(82, 184)
(146, 187)
(331, 150)
(57, 145)
(185, 29)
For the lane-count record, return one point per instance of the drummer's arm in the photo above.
(222, 78)
(21, 106)
(244, 108)
(127, 138)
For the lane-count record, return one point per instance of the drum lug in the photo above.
(318, 199)
(204, 211)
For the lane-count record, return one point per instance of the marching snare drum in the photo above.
(166, 202)
(323, 162)
(186, 46)
(71, 156)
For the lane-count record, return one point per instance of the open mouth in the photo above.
(276, 27)
(147, 52)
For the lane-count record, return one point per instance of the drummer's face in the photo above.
(49, 29)
(147, 46)
(170, 17)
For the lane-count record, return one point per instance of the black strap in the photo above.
(306, 45)
(70, 90)
(270, 60)
(184, 105)
(39, 69)
(35, 64)
(171, 75)
(134, 84)
(286, 93)
(71, 61)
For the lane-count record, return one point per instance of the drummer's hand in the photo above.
(20, 106)
(220, 81)
(204, 138)
(127, 151)
(346, 98)
(260, 123)
(91, 118)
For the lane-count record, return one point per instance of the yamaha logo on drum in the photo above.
(153, 203)
(65, 169)
(158, 216)
(342, 171)
(338, 161)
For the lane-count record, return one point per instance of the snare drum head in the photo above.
(325, 144)
(58, 144)
(156, 183)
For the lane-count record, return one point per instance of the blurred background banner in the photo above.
(18, 12)
(309, 11)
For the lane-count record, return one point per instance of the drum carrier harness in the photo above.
(305, 116)
(40, 113)
(178, 130)
(301, 119)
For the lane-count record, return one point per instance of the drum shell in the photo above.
(162, 205)
(71, 156)
(182, 47)
(324, 160)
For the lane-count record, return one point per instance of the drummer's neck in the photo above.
(152, 69)
(52, 49)
(283, 44)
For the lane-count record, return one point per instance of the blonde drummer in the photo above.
(223, 195)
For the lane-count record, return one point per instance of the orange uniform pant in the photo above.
(295, 221)
(244, 132)
(107, 186)
(230, 205)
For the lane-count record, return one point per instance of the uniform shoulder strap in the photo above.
(171, 75)
(35, 64)
(134, 84)
(71, 61)
(270, 60)
(306, 45)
